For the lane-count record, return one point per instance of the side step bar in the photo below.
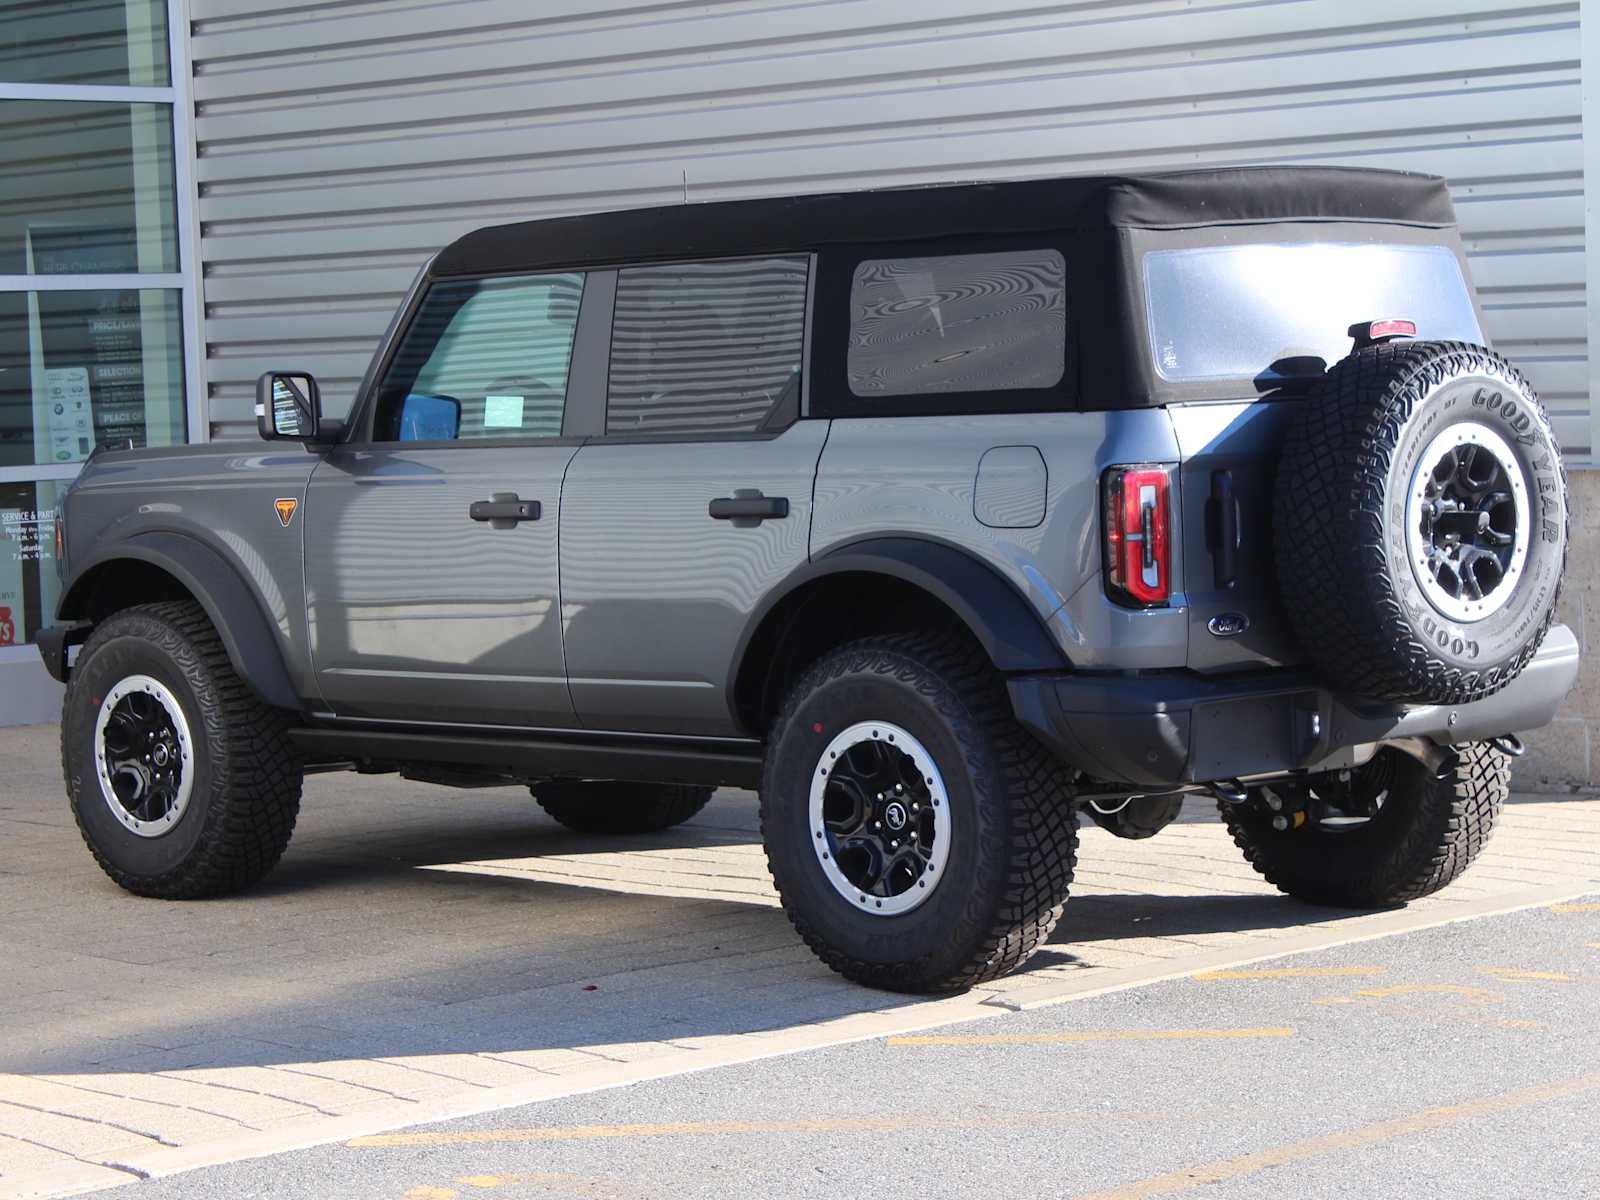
(642, 760)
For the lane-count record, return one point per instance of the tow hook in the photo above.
(1510, 744)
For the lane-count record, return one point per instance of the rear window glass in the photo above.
(958, 323)
(1274, 312)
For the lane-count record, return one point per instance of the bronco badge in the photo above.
(286, 509)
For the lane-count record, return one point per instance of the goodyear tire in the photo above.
(1425, 833)
(1421, 523)
(920, 839)
(617, 808)
(183, 784)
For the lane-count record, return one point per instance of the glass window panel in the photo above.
(500, 348)
(709, 347)
(958, 323)
(88, 188)
(80, 369)
(106, 42)
(29, 585)
(1274, 312)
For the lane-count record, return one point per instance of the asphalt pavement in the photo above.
(1459, 1061)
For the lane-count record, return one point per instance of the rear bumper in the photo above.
(1171, 728)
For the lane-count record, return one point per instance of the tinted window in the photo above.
(709, 347)
(958, 323)
(498, 347)
(1272, 312)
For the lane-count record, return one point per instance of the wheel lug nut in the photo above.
(877, 824)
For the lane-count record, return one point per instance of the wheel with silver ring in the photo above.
(1421, 523)
(920, 840)
(182, 782)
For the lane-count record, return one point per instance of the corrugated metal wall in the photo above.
(338, 145)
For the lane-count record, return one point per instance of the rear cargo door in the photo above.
(1230, 454)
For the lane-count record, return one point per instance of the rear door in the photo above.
(432, 579)
(695, 500)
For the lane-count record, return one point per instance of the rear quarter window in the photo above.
(957, 323)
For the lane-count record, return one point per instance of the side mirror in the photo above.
(288, 406)
(429, 418)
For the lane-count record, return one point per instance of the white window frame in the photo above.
(177, 95)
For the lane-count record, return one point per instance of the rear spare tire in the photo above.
(1421, 523)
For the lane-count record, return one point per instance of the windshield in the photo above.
(1276, 312)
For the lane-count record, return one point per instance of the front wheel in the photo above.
(920, 839)
(1392, 831)
(184, 785)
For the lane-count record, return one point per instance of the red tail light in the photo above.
(1138, 522)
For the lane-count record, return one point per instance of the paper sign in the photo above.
(502, 412)
(71, 428)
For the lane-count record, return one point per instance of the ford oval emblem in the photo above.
(1230, 624)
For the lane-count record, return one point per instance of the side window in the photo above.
(482, 359)
(958, 323)
(710, 347)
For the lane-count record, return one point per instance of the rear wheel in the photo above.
(1391, 832)
(183, 784)
(608, 806)
(920, 839)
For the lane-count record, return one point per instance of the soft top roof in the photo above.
(1230, 196)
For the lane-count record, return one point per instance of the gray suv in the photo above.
(941, 517)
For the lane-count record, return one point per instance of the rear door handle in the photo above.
(748, 506)
(505, 510)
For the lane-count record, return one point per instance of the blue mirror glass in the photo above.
(429, 418)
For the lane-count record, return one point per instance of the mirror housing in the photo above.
(288, 407)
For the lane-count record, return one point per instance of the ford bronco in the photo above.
(941, 517)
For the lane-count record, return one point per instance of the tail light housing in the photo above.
(1137, 506)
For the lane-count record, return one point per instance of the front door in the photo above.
(432, 584)
(696, 501)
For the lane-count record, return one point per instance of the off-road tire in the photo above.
(1424, 836)
(1345, 573)
(606, 806)
(246, 791)
(1013, 831)
(1143, 817)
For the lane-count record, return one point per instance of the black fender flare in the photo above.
(1010, 630)
(218, 588)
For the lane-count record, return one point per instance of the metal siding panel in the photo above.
(327, 176)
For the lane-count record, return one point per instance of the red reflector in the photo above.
(1365, 333)
(1138, 523)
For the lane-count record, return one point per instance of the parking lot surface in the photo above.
(424, 954)
(1461, 1061)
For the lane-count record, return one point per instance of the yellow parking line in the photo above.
(1119, 1035)
(564, 1133)
(1518, 975)
(1351, 1139)
(1413, 989)
(1575, 908)
(1289, 973)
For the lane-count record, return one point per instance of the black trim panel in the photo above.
(644, 760)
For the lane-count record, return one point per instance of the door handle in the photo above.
(747, 507)
(505, 510)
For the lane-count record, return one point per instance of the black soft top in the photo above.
(1176, 200)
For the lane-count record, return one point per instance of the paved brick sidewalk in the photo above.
(423, 952)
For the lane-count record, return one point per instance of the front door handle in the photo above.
(747, 507)
(505, 510)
